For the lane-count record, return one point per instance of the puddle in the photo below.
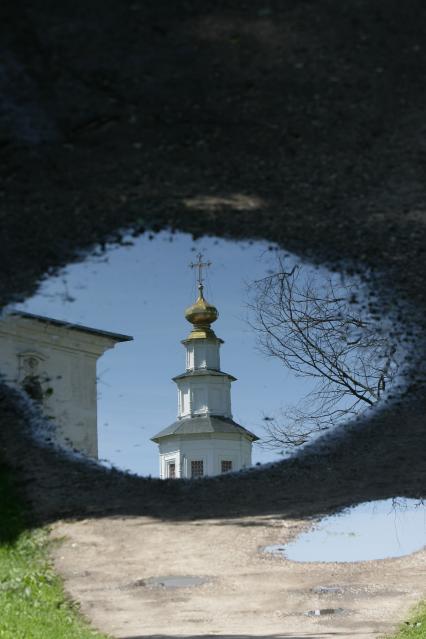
(140, 289)
(374, 530)
(324, 612)
(175, 581)
(328, 590)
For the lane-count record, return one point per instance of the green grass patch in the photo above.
(32, 600)
(415, 628)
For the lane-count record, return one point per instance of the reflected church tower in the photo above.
(204, 440)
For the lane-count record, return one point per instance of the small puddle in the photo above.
(323, 612)
(374, 530)
(175, 581)
(328, 590)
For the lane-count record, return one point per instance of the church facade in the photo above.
(204, 440)
(55, 363)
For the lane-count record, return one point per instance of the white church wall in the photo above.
(202, 353)
(204, 395)
(166, 459)
(63, 361)
(184, 399)
(199, 399)
(211, 448)
(219, 397)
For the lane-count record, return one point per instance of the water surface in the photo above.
(373, 530)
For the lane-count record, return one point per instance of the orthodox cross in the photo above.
(200, 265)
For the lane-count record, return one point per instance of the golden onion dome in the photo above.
(201, 315)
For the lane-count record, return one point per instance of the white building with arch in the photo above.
(55, 363)
(204, 440)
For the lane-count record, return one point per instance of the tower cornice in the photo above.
(204, 372)
(210, 338)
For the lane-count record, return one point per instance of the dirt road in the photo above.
(107, 564)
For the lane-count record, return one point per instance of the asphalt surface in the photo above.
(300, 122)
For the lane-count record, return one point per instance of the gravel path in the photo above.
(108, 565)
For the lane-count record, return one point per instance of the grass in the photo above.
(416, 627)
(32, 600)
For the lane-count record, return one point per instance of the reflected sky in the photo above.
(142, 289)
(373, 530)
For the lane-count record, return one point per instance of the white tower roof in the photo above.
(208, 424)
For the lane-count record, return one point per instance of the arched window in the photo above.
(31, 375)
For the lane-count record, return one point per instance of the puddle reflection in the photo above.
(374, 530)
(141, 289)
(175, 581)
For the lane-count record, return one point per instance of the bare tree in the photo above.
(314, 327)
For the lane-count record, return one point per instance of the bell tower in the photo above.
(203, 389)
(204, 440)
